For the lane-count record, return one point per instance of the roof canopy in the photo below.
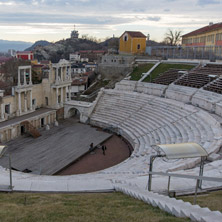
(2, 150)
(183, 150)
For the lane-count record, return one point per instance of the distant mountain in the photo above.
(38, 43)
(5, 45)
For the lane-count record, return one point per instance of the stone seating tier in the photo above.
(155, 120)
(168, 77)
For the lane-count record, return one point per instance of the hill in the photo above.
(5, 45)
(62, 48)
(38, 43)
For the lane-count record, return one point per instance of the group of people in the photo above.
(104, 148)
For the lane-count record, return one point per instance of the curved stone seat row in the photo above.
(205, 99)
(146, 120)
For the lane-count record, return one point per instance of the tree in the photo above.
(172, 37)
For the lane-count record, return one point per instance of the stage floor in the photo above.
(55, 149)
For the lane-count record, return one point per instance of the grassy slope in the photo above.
(164, 67)
(78, 207)
(137, 72)
(98, 85)
(212, 200)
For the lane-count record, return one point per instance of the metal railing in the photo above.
(197, 178)
(186, 52)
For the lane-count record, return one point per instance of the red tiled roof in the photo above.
(208, 28)
(24, 52)
(80, 81)
(134, 34)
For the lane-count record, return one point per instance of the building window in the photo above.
(46, 101)
(7, 109)
(125, 38)
(138, 46)
(34, 102)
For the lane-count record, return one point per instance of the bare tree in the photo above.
(172, 37)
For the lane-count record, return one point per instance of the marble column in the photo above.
(66, 99)
(19, 82)
(25, 106)
(2, 111)
(62, 74)
(62, 95)
(30, 92)
(30, 76)
(24, 77)
(69, 93)
(69, 73)
(19, 103)
(57, 75)
(57, 102)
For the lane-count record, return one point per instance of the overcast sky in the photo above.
(52, 20)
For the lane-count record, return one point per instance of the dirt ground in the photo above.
(117, 151)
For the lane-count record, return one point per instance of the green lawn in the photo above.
(163, 67)
(212, 200)
(137, 72)
(106, 207)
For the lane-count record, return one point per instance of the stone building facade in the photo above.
(36, 103)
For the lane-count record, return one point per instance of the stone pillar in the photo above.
(69, 93)
(30, 76)
(57, 74)
(49, 121)
(19, 82)
(62, 74)
(30, 99)
(2, 111)
(69, 73)
(66, 94)
(25, 106)
(57, 102)
(24, 77)
(19, 103)
(62, 100)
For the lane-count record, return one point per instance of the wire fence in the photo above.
(189, 52)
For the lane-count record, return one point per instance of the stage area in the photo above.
(55, 149)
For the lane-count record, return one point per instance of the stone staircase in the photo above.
(30, 129)
(178, 208)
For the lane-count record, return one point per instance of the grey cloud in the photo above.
(54, 18)
(154, 18)
(208, 2)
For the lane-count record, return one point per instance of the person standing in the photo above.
(104, 149)
(91, 147)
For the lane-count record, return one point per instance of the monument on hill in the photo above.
(74, 34)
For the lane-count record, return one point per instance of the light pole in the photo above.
(2, 153)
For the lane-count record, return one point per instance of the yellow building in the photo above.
(132, 43)
(210, 35)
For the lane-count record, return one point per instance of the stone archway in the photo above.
(74, 113)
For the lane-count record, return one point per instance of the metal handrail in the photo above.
(197, 178)
(214, 179)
